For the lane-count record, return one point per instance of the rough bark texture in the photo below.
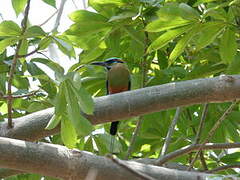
(60, 162)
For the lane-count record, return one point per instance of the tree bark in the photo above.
(134, 103)
(60, 162)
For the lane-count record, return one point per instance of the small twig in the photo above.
(187, 112)
(58, 18)
(193, 147)
(129, 169)
(212, 131)
(201, 124)
(203, 161)
(75, 5)
(1, 16)
(13, 66)
(24, 55)
(190, 118)
(134, 136)
(170, 132)
(48, 19)
(28, 54)
(20, 96)
(43, 55)
(222, 168)
(198, 135)
(84, 4)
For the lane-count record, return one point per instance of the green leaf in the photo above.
(103, 142)
(85, 101)
(105, 2)
(20, 82)
(4, 68)
(44, 43)
(82, 126)
(162, 25)
(3, 79)
(84, 98)
(187, 12)
(228, 46)
(84, 16)
(162, 60)
(203, 1)
(46, 83)
(134, 34)
(208, 34)
(51, 64)
(24, 48)
(51, 2)
(64, 46)
(18, 5)
(9, 28)
(87, 23)
(53, 122)
(37, 106)
(68, 133)
(90, 55)
(7, 42)
(168, 36)
(88, 28)
(60, 104)
(86, 42)
(205, 70)
(108, 10)
(122, 16)
(35, 31)
(77, 80)
(231, 158)
(234, 66)
(182, 43)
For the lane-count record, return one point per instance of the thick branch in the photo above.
(134, 103)
(59, 162)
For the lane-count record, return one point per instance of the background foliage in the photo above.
(161, 40)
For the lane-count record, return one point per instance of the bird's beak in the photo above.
(99, 64)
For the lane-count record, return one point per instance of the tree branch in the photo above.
(28, 54)
(133, 103)
(222, 168)
(199, 132)
(123, 165)
(59, 162)
(170, 132)
(33, 93)
(194, 147)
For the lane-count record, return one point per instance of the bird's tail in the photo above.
(113, 132)
(114, 127)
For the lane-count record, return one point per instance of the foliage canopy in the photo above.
(161, 40)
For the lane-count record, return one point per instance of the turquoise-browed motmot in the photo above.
(118, 80)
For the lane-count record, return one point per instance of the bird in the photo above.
(117, 81)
